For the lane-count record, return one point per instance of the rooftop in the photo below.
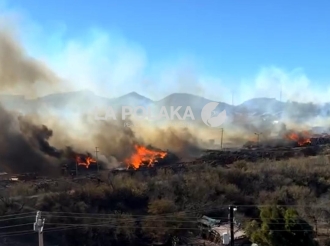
(225, 228)
(209, 221)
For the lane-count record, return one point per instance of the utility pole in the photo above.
(38, 226)
(315, 221)
(76, 168)
(258, 137)
(221, 138)
(97, 162)
(231, 220)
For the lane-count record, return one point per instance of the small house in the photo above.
(221, 235)
(219, 232)
(208, 223)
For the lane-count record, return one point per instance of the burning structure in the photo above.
(85, 160)
(146, 157)
(79, 163)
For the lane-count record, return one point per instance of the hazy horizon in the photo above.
(142, 95)
(111, 57)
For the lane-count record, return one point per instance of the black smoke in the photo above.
(24, 146)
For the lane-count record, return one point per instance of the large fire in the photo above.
(302, 138)
(144, 156)
(84, 160)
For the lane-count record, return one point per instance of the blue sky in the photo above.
(208, 47)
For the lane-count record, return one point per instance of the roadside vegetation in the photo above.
(132, 209)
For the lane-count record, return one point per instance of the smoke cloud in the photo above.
(24, 146)
(111, 66)
(20, 73)
(26, 142)
(18, 68)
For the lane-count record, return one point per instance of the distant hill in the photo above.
(132, 98)
(81, 101)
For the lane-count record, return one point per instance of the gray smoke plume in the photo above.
(23, 146)
(18, 71)
(27, 144)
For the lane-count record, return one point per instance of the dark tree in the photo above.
(280, 226)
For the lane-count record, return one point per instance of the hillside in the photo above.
(83, 101)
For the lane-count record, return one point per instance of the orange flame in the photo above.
(84, 161)
(144, 156)
(302, 138)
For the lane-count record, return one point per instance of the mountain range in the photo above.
(83, 101)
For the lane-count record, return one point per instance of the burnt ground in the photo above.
(225, 157)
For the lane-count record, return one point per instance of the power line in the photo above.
(124, 217)
(97, 161)
(111, 216)
(12, 226)
(168, 215)
(160, 227)
(17, 233)
(183, 220)
(11, 215)
(111, 224)
(57, 229)
(123, 226)
(202, 209)
(17, 218)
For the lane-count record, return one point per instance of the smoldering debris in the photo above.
(229, 157)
